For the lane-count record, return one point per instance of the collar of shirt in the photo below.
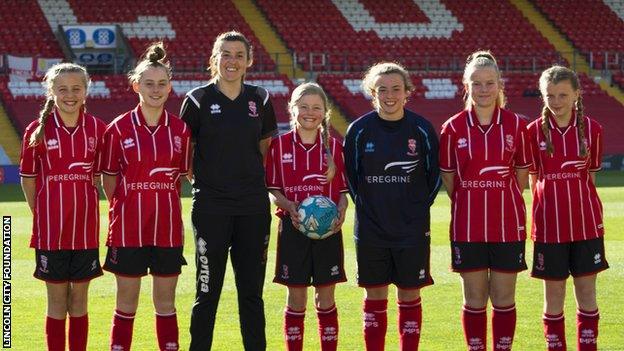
(138, 119)
(297, 140)
(58, 122)
(552, 123)
(473, 120)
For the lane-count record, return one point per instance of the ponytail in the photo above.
(37, 135)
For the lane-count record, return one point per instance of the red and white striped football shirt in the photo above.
(566, 206)
(66, 214)
(146, 208)
(297, 170)
(487, 204)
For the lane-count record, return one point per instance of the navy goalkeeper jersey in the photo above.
(393, 174)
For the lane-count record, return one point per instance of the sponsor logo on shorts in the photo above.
(597, 258)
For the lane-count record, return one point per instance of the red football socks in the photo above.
(375, 324)
(587, 330)
(328, 327)
(474, 322)
(503, 327)
(410, 321)
(554, 331)
(293, 329)
(55, 334)
(121, 331)
(167, 331)
(78, 331)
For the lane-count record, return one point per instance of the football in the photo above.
(317, 215)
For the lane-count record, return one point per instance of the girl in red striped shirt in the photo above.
(58, 165)
(567, 214)
(146, 151)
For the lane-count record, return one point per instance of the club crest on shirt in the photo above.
(91, 144)
(411, 145)
(214, 109)
(509, 143)
(177, 144)
(53, 144)
(287, 158)
(462, 143)
(253, 110)
(128, 143)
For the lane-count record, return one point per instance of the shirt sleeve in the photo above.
(447, 140)
(272, 173)
(432, 150)
(111, 152)
(29, 165)
(185, 160)
(189, 113)
(595, 146)
(100, 127)
(533, 141)
(269, 122)
(350, 158)
(522, 157)
(340, 167)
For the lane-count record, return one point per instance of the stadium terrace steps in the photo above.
(268, 37)
(8, 137)
(552, 34)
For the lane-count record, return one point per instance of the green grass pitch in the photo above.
(441, 302)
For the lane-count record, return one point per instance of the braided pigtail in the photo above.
(37, 135)
(546, 130)
(580, 120)
(331, 165)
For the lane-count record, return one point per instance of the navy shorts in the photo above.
(405, 267)
(556, 261)
(135, 261)
(302, 261)
(59, 266)
(506, 257)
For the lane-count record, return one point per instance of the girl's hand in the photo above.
(342, 212)
(294, 214)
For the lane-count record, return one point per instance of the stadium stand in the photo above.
(354, 34)
(595, 28)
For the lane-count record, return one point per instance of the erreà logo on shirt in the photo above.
(542, 146)
(369, 147)
(128, 143)
(287, 158)
(214, 109)
(53, 144)
(462, 143)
